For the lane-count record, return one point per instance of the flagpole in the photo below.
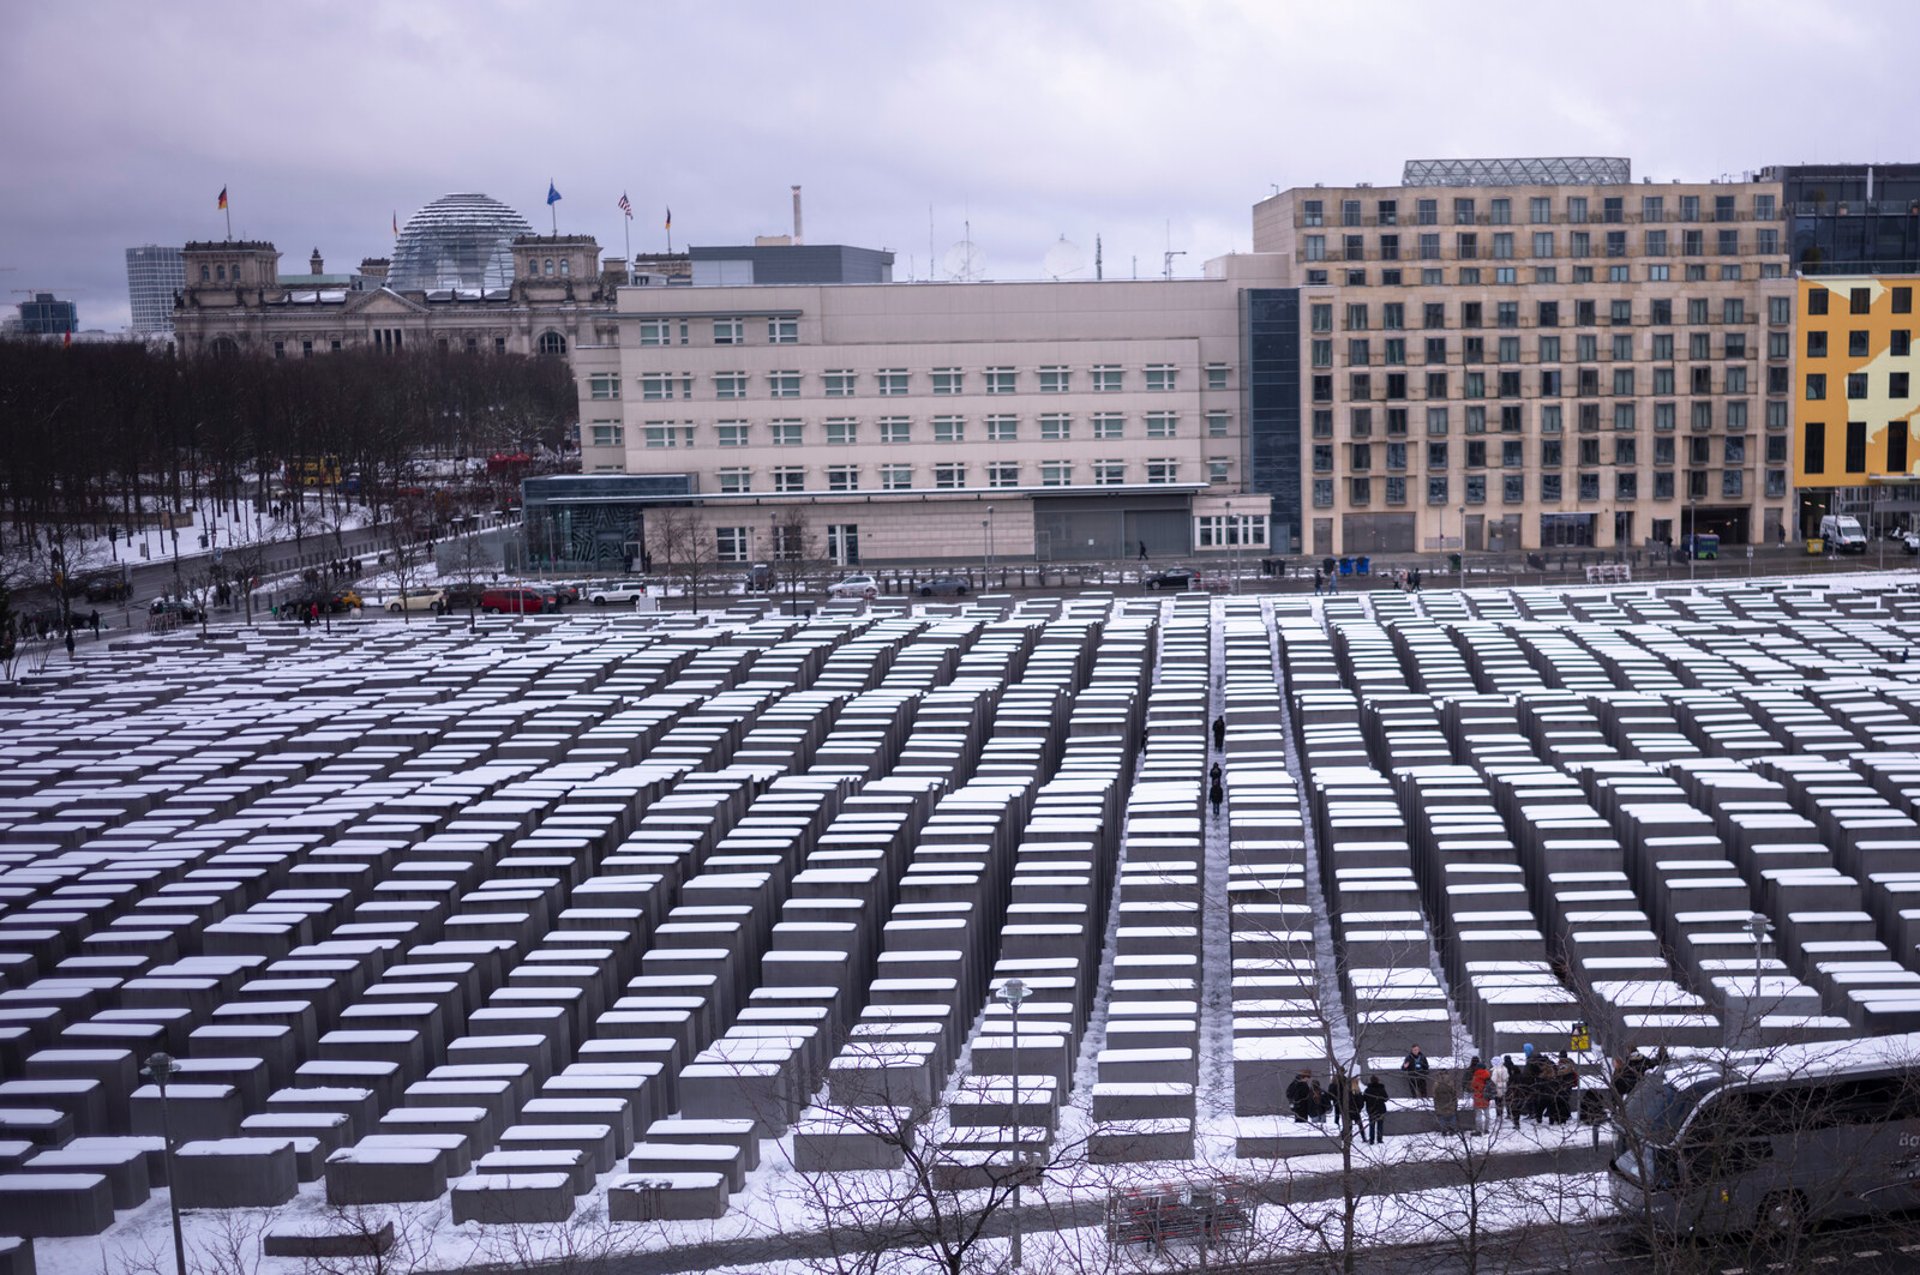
(229, 211)
(626, 230)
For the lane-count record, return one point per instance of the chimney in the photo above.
(319, 266)
(796, 216)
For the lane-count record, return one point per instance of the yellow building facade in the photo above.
(1856, 406)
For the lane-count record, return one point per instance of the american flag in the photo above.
(626, 207)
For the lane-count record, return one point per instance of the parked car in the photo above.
(1842, 534)
(416, 600)
(759, 578)
(107, 586)
(943, 586)
(1170, 578)
(855, 586)
(461, 597)
(622, 592)
(1911, 539)
(185, 610)
(565, 591)
(516, 600)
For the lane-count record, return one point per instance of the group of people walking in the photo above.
(1361, 1108)
(1540, 1088)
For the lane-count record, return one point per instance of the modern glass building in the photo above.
(461, 243)
(154, 275)
(46, 315)
(1851, 219)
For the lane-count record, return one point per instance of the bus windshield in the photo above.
(1655, 1110)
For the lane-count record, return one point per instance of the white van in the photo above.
(1843, 534)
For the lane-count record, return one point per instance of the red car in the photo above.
(511, 601)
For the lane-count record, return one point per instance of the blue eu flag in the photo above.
(553, 196)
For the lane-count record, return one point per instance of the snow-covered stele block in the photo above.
(514, 1198)
(574, 1164)
(122, 1160)
(386, 1174)
(197, 1112)
(690, 1157)
(35, 1204)
(16, 1256)
(874, 1138)
(1134, 1141)
(658, 1197)
(232, 1173)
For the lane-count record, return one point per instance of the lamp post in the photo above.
(985, 584)
(1759, 927)
(1233, 538)
(1012, 992)
(160, 1068)
(1463, 547)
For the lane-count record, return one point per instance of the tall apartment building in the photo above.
(155, 275)
(1516, 354)
(926, 421)
(1855, 406)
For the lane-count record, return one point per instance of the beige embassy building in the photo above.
(1532, 353)
(917, 422)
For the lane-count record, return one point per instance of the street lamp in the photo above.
(1463, 546)
(1759, 927)
(1012, 992)
(160, 1068)
(1233, 538)
(984, 583)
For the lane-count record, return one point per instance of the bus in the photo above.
(1774, 1139)
(323, 471)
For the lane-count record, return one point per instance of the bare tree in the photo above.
(792, 554)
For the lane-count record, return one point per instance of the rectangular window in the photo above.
(1903, 300)
(1109, 425)
(1540, 209)
(1056, 473)
(1856, 454)
(1437, 423)
(785, 433)
(731, 544)
(1543, 243)
(843, 432)
(948, 475)
(1813, 454)
(789, 478)
(1107, 377)
(607, 434)
(729, 385)
(1856, 385)
(603, 385)
(1161, 376)
(1313, 212)
(1216, 376)
(1109, 473)
(1218, 472)
(657, 386)
(891, 382)
(1162, 424)
(1001, 380)
(729, 331)
(1897, 436)
(1217, 424)
(666, 434)
(1055, 380)
(1003, 473)
(1436, 490)
(843, 477)
(1550, 418)
(731, 433)
(656, 332)
(1897, 384)
(896, 429)
(1003, 429)
(1056, 428)
(896, 477)
(783, 385)
(1163, 470)
(949, 429)
(949, 380)
(783, 331)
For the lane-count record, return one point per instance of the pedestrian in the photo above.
(1217, 775)
(1501, 1080)
(69, 643)
(1353, 1109)
(1480, 1084)
(1376, 1099)
(93, 622)
(1446, 1101)
(1319, 581)
(1300, 1097)
(1216, 794)
(1566, 1085)
(1416, 1065)
(1322, 1102)
(1219, 734)
(1143, 551)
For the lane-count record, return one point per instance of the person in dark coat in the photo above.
(1300, 1097)
(1219, 734)
(69, 643)
(1353, 1108)
(1216, 794)
(1321, 1102)
(1446, 1101)
(1319, 581)
(1375, 1098)
(1416, 1066)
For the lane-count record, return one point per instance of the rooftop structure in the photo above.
(461, 242)
(1552, 170)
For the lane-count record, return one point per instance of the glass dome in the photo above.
(462, 242)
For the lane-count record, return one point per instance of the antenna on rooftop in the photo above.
(964, 262)
(1064, 260)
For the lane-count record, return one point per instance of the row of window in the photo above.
(1585, 313)
(1551, 383)
(892, 430)
(1510, 418)
(728, 331)
(1575, 210)
(1513, 488)
(1896, 440)
(390, 340)
(953, 475)
(898, 382)
(1509, 276)
(1585, 348)
(1543, 244)
(1512, 454)
(1860, 300)
(1859, 385)
(1860, 343)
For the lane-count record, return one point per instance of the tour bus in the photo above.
(1772, 1139)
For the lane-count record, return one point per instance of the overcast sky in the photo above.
(1147, 124)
